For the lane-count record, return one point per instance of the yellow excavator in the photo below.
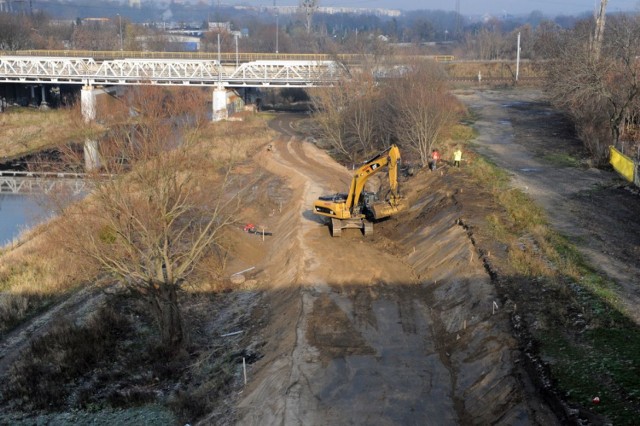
(359, 208)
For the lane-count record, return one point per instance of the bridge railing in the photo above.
(225, 57)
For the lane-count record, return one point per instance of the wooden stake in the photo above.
(244, 370)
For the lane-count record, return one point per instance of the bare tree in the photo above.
(330, 103)
(598, 91)
(14, 32)
(155, 209)
(422, 109)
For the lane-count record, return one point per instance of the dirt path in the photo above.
(517, 130)
(367, 332)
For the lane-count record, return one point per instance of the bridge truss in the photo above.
(16, 182)
(173, 72)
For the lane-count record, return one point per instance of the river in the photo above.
(18, 213)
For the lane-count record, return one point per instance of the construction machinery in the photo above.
(359, 208)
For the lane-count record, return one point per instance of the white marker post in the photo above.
(244, 370)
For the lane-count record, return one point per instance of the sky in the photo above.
(471, 7)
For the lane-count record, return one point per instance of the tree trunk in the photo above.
(164, 302)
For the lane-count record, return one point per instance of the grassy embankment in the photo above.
(32, 276)
(122, 356)
(25, 130)
(573, 314)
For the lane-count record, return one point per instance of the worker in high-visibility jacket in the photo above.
(457, 157)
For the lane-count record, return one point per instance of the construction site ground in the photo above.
(406, 326)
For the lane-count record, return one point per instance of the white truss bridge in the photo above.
(171, 72)
(17, 182)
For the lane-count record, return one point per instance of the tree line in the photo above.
(410, 106)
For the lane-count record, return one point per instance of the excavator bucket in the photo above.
(386, 209)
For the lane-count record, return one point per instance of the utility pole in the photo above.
(275, 8)
(309, 6)
(518, 59)
(597, 37)
(121, 41)
(236, 37)
(456, 33)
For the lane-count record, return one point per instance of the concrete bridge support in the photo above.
(220, 104)
(89, 107)
(44, 104)
(32, 96)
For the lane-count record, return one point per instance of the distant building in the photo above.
(290, 10)
(221, 27)
(135, 4)
(97, 21)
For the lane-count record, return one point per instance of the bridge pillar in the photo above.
(32, 99)
(88, 104)
(43, 104)
(88, 107)
(219, 104)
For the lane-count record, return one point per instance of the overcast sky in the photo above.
(471, 7)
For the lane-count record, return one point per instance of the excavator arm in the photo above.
(350, 210)
(390, 157)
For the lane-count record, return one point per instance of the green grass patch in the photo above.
(562, 160)
(462, 132)
(603, 362)
(592, 348)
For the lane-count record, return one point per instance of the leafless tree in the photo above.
(155, 208)
(15, 32)
(330, 103)
(598, 91)
(422, 109)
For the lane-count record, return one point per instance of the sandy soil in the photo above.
(395, 329)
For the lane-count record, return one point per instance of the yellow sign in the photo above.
(623, 164)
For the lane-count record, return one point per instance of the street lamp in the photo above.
(120, 22)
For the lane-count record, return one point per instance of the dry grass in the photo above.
(492, 69)
(35, 273)
(233, 140)
(26, 130)
(38, 269)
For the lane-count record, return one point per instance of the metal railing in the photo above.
(225, 57)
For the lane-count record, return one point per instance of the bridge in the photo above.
(173, 72)
(18, 182)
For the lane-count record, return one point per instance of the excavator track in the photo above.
(336, 227)
(368, 228)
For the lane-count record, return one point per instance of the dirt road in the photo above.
(520, 132)
(399, 330)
